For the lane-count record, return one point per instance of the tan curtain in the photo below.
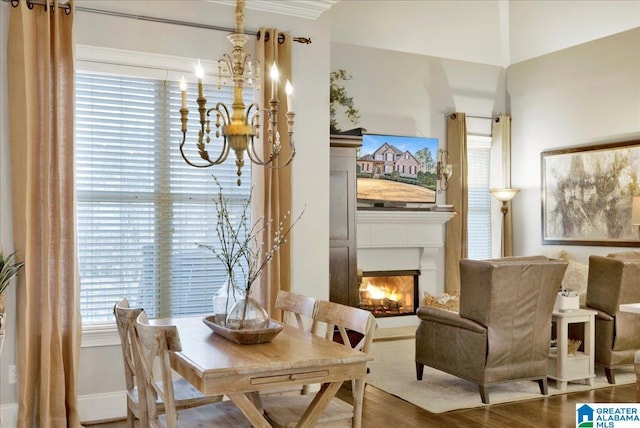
(275, 47)
(501, 178)
(41, 91)
(456, 241)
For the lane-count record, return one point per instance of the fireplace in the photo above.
(401, 240)
(389, 293)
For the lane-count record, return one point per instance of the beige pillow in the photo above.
(575, 278)
(626, 255)
(443, 301)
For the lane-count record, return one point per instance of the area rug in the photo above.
(393, 370)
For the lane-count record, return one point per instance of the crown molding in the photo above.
(309, 9)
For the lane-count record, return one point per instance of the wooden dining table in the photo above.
(218, 366)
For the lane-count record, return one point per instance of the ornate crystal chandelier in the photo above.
(239, 127)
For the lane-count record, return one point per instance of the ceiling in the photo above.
(496, 32)
(310, 9)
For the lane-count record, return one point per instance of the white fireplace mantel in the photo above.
(402, 240)
(384, 229)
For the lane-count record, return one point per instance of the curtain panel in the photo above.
(41, 95)
(456, 232)
(274, 47)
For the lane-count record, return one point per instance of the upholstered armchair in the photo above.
(503, 328)
(614, 280)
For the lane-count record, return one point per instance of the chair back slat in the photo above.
(136, 396)
(346, 318)
(155, 343)
(125, 321)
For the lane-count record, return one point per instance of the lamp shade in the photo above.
(504, 195)
(635, 211)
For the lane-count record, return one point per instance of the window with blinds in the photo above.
(479, 202)
(140, 208)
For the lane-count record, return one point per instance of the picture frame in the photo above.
(587, 194)
(396, 171)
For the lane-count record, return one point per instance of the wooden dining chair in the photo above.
(296, 310)
(186, 395)
(296, 307)
(285, 411)
(155, 343)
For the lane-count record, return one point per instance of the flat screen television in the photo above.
(396, 171)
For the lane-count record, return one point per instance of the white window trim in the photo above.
(96, 335)
(166, 67)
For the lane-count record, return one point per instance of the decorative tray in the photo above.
(246, 336)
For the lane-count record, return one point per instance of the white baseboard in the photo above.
(9, 415)
(394, 333)
(92, 407)
(98, 407)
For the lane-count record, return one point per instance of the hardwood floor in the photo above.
(558, 411)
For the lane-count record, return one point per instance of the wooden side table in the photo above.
(563, 367)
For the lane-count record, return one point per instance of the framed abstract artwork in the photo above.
(587, 194)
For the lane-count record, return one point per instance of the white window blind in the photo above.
(479, 203)
(141, 208)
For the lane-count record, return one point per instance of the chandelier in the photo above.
(239, 126)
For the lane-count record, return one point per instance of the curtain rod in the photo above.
(30, 3)
(14, 3)
(476, 116)
(479, 117)
(496, 117)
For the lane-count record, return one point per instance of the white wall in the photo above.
(539, 27)
(7, 392)
(409, 94)
(495, 32)
(583, 95)
(467, 30)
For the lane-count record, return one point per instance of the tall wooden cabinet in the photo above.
(343, 286)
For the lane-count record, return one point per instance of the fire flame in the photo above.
(381, 293)
(375, 292)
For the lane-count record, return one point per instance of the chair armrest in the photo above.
(451, 318)
(601, 315)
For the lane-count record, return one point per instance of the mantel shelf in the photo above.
(404, 217)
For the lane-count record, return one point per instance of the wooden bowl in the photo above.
(246, 336)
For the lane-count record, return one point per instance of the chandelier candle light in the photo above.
(240, 127)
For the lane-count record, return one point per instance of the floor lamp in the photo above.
(635, 213)
(504, 196)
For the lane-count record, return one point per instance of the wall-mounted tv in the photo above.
(396, 171)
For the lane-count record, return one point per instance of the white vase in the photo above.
(225, 299)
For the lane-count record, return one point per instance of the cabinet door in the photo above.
(342, 228)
